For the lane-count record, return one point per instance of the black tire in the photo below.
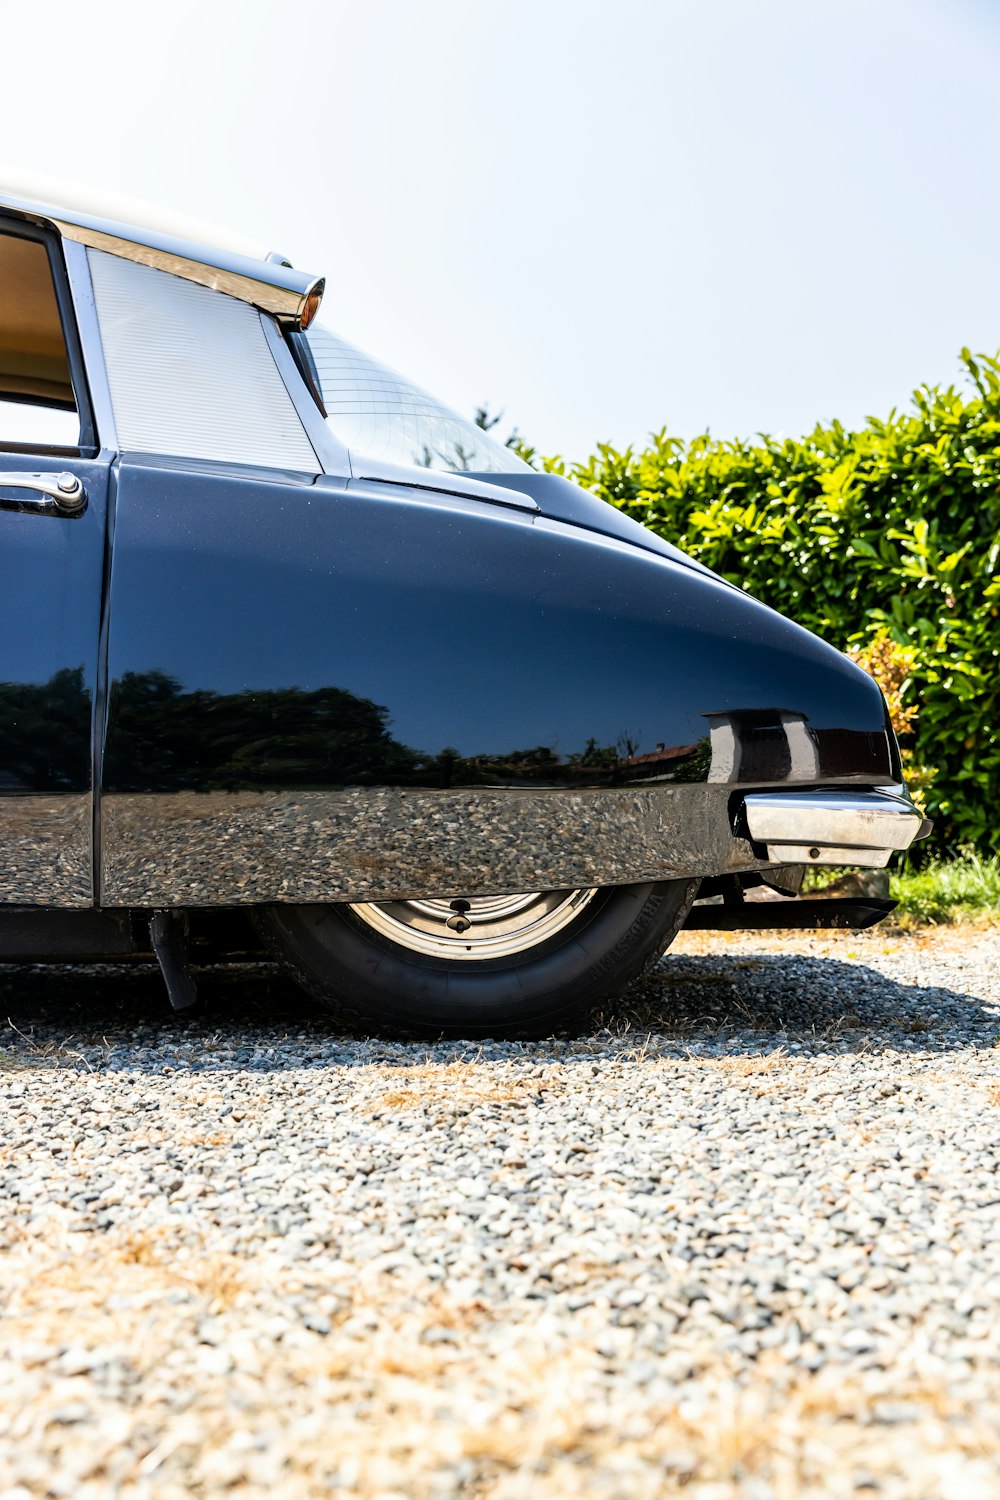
(367, 978)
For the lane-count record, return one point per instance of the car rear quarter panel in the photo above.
(322, 693)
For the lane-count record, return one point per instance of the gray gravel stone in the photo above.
(743, 1237)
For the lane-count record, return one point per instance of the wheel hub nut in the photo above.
(459, 922)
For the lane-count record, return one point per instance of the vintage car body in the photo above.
(243, 664)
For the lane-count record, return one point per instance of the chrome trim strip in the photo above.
(844, 821)
(440, 479)
(194, 263)
(330, 452)
(269, 285)
(89, 329)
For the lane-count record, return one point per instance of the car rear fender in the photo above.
(321, 693)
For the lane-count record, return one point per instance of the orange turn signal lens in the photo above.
(311, 307)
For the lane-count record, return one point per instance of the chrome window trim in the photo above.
(331, 454)
(81, 290)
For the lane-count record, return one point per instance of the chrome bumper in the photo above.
(834, 827)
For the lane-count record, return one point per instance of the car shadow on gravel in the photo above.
(251, 1017)
(814, 1004)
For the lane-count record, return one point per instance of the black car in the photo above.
(281, 633)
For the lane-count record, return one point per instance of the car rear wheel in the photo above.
(479, 965)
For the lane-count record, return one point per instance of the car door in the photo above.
(53, 493)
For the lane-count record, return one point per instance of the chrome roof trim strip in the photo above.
(274, 288)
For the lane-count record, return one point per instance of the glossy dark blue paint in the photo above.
(562, 500)
(51, 570)
(276, 634)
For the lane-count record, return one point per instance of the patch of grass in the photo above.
(963, 889)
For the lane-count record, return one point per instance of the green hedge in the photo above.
(895, 526)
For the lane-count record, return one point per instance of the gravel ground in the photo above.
(744, 1240)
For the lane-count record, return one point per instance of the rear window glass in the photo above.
(377, 413)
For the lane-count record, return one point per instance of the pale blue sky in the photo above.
(601, 217)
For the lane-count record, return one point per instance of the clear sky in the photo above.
(603, 216)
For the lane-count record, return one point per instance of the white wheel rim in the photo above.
(475, 928)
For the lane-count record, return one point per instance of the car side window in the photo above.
(37, 403)
(190, 371)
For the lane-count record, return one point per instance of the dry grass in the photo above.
(147, 1263)
(32, 1053)
(459, 1086)
(412, 1379)
(463, 1086)
(381, 1407)
(740, 1066)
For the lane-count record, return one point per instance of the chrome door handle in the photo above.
(65, 494)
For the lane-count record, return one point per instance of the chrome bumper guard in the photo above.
(841, 827)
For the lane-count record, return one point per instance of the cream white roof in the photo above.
(139, 231)
(74, 197)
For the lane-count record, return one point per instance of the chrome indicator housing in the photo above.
(839, 827)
